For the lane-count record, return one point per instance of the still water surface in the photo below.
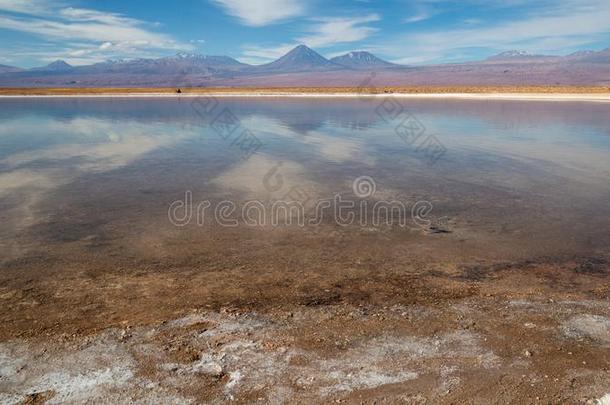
(91, 180)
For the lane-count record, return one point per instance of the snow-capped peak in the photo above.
(514, 54)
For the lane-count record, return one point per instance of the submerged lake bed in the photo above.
(301, 249)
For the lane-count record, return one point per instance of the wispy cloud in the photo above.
(550, 27)
(92, 34)
(421, 16)
(121, 29)
(422, 11)
(257, 13)
(321, 33)
(333, 31)
(32, 7)
(257, 54)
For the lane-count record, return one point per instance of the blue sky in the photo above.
(36, 32)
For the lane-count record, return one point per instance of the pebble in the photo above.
(211, 368)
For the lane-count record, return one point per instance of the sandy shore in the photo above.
(537, 333)
(605, 98)
(544, 93)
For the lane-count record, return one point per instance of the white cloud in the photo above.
(32, 7)
(257, 54)
(417, 17)
(87, 25)
(423, 11)
(562, 26)
(332, 31)
(257, 13)
(93, 34)
(323, 33)
(552, 28)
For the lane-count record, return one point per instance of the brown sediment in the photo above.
(311, 90)
(531, 331)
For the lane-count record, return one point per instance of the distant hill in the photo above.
(180, 64)
(57, 66)
(520, 57)
(595, 57)
(576, 57)
(361, 60)
(303, 66)
(9, 69)
(299, 59)
(192, 60)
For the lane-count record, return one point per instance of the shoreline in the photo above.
(588, 97)
(524, 93)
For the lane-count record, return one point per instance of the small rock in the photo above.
(605, 400)
(527, 353)
(211, 368)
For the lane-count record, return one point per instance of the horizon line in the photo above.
(312, 49)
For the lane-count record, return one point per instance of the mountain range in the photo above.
(303, 66)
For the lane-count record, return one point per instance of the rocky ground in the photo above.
(527, 333)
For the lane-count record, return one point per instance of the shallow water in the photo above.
(91, 180)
